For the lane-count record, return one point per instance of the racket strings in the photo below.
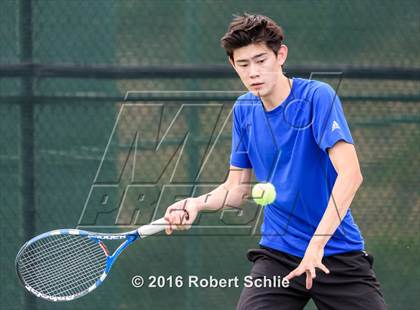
(54, 281)
(50, 263)
(48, 242)
(55, 271)
(50, 282)
(62, 265)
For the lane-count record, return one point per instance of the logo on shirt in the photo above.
(335, 126)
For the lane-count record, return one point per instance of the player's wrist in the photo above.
(196, 203)
(317, 242)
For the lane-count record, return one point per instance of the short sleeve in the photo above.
(239, 155)
(329, 123)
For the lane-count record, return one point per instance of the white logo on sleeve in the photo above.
(335, 126)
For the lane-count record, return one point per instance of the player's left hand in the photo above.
(311, 260)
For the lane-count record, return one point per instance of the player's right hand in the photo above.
(181, 215)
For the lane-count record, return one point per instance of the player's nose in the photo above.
(253, 71)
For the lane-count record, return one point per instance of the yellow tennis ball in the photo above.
(264, 193)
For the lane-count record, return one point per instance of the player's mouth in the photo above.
(257, 85)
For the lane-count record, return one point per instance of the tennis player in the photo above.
(292, 133)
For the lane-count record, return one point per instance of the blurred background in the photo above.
(65, 68)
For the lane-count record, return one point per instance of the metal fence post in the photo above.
(27, 133)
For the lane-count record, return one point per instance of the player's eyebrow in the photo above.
(254, 57)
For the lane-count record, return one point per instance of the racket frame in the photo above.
(129, 237)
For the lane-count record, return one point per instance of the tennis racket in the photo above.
(65, 264)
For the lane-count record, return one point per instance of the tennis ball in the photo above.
(264, 193)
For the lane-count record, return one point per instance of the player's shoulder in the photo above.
(246, 99)
(311, 87)
(245, 102)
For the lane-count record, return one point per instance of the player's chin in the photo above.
(258, 92)
(255, 92)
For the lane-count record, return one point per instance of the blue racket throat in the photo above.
(130, 238)
(65, 264)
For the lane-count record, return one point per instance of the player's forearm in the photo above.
(343, 193)
(223, 196)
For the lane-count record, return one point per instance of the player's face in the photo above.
(258, 67)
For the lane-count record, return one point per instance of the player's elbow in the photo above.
(358, 179)
(245, 190)
(353, 177)
(240, 190)
(236, 195)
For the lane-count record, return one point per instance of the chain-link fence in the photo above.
(66, 128)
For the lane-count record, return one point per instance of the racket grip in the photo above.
(152, 228)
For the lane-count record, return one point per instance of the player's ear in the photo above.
(232, 62)
(282, 54)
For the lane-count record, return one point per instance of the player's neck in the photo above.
(279, 94)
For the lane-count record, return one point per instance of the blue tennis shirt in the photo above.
(288, 146)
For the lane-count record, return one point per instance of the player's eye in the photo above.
(260, 61)
(243, 65)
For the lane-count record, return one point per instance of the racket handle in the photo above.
(152, 228)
